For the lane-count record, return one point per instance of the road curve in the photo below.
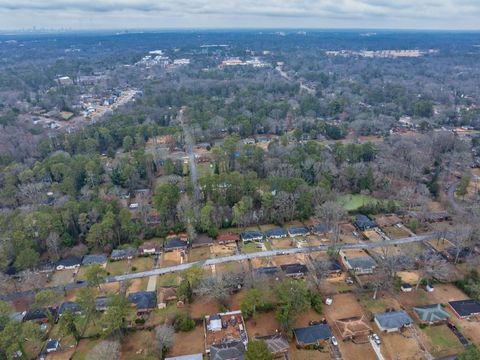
(451, 198)
(270, 253)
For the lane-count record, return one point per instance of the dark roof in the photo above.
(174, 243)
(94, 259)
(250, 235)
(266, 270)
(393, 319)
(361, 262)
(364, 222)
(38, 314)
(123, 253)
(202, 239)
(294, 268)
(320, 229)
(277, 232)
(312, 334)
(143, 300)
(234, 350)
(334, 266)
(465, 308)
(101, 303)
(71, 261)
(228, 237)
(69, 305)
(298, 230)
(431, 313)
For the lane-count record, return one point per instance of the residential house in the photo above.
(234, 350)
(144, 301)
(69, 306)
(294, 231)
(393, 321)
(431, 314)
(166, 294)
(39, 316)
(266, 271)
(276, 233)
(99, 259)
(227, 238)
(248, 236)
(320, 229)
(123, 254)
(276, 343)
(151, 247)
(202, 240)
(465, 309)
(101, 303)
(294, 270)
(224, 331)
(363, 222)
(175, 244)
(312, 335)
(69, 263)
(358, 264)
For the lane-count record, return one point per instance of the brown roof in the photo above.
(353, 327)
(166, 293)
(228, 237)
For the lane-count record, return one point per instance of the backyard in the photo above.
(355, 201)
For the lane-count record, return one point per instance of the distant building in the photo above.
(69, 263)
(99, 259)
(276, 233)
(150, 248)
(248, 236)
(294, 270)
(175, 244)
(123, 254)
(298, 231)
(227, 238)
(363, 222)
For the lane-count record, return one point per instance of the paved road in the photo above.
(270, 253)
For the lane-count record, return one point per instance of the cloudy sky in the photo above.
(158, 14)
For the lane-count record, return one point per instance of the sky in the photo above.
(213, 14)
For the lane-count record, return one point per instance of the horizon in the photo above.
(449, 15)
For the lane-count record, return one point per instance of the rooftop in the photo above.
(294, 268)
(393, 319)
(94, 259)
(312, 334)
(174, 243)
(143, 300)
(224, 328)
(276, 232)
(431, 313)
(277, 343)
(234, 350)
(465, 308)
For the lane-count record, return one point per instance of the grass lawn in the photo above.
(354, 201)
(442, 341)
(168, 280)
(142, 264)
(201, 253)
(204, 169)
(83, 348)
(374, 306)
(251, 247)
(61, 277)
(117, 267)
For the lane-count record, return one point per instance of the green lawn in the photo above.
(251, 247)
(442, 340)
(168, 279)
(354, 201)
(117, 267)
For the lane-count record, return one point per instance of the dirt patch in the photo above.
(410, 277)
(201, 253)
(304, 318)
(396, 343)
(171, 258)
(84, 346)
(335, 285)
(317, 240)
(201, 307)
(137, 285)
(61, 355)
(440, 244)
(372, 235)
(300, 354)
(223, 250)
(139, 345)
(259, 262)
(186, 343)
(395, 232)
(142, 264)
(62, 277)
(285, 243)
(262, 325)
(343, 306)
(289, 259)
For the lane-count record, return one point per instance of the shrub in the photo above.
(183, 322)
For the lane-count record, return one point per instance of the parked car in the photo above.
(349, 280)
(376, 338)
(334, 341)
(329, 301)
(429, 288)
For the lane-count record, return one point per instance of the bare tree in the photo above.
(53, 246)
(460, 237)
(105, 350)
(432, 265)
(331, 213)
(164, 335)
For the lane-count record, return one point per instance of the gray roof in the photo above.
(234, 350)
(123, 253)
(298, 230)
(174, 243)
(431, 313)
(312, 334)
(94, 259)
(362, 262)
(186, 357)
(143, 300)
(71, 261)
(393, 319)
(276, 343)
(276, 232)
(69, 306)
